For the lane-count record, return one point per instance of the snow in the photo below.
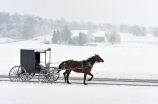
(99, 33)
(130, 59)
(134, 60)
(138, 39)
(6, 40)
(37, 93)
(134, 57)
(76, 32)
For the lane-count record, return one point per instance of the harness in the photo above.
(88, 65)
(84, 64)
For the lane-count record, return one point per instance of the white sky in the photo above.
(141, 12)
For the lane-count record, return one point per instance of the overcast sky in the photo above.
(141, 12)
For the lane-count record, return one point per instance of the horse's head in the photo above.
(98, 58)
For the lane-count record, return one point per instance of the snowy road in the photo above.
(99, 81)
(76, 93)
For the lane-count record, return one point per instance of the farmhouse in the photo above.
(99, 36)
(99, 39)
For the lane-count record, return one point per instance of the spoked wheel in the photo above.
(44, 76)
(54, 75)
(30, 76)
(18, 74)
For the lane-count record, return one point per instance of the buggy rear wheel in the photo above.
(30, 76)
(18, 74)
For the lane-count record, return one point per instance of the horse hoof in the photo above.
(65, 81)
(89, 79)
(68, 83)
(85, 83)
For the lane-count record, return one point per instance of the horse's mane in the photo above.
(90, 58)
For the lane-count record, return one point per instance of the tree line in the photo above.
(29, 26)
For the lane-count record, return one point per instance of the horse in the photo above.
(84, 66)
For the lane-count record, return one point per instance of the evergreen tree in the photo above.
(155, 32)
(54, 41)
(143, 31)
(66, 35)
(58, 38)
(82, 38)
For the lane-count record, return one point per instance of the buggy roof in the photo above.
(39, 50)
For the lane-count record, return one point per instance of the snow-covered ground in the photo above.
(130, 59)
(7, 40)
(134, 57)
(37, 93)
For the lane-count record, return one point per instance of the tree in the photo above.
(136, 30)
(75, 40)
(74, 25)
(82, 38)
(90, 35)
(155, 32)
(56, 37)
(89, 25)
(5, 18)
(113, 37)
(24, 26)
(3, 30)
(139, 31)
(143, 31)
(66, 35)
(28, 27)
(124, 28)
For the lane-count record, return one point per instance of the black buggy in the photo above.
(30, 65)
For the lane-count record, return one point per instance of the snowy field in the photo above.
(135, 57)
(6, 40)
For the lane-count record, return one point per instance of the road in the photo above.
(100, 81)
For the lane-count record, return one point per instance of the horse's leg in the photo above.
(68, 73)
(91, 76)
(85, 74)
(65, 76)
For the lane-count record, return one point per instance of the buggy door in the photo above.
(27, 60)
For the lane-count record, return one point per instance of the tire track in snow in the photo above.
(97, 81)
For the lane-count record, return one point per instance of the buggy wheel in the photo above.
(18, 74)
(43, 76)
(30, 76)
(54, 75)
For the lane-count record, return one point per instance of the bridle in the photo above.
(94, 58)
(98, 59)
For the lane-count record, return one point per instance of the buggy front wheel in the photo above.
(54, 75)
(43, 76)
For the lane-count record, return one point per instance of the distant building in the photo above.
(99, 39)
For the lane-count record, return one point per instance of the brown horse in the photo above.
(84, 66)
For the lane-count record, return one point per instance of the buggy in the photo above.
(30, 66)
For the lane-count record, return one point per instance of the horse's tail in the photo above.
(61, 66)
